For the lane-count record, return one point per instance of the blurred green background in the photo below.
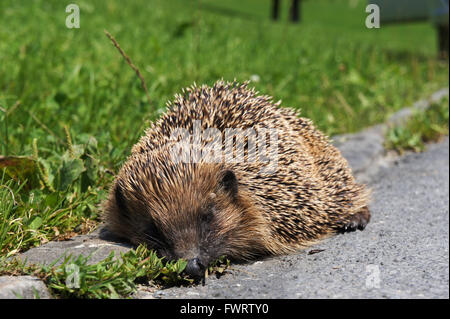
(341, 74)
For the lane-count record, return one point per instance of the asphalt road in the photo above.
(403, 253)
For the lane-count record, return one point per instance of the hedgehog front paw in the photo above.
(356, 221)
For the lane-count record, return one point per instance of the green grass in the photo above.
(112, 277)
(71, 108)
(63, 203)
(109, 278)
(423, 127)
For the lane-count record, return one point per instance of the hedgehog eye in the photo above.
(155, 237)
(206, 218)
(208, 213)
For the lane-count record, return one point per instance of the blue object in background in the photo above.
(435, 11)
(392, 11)
(439, 12)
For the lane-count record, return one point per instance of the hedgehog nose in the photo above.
(195, 269)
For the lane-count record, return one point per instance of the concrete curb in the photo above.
(369, 143)
(95, 244)
(23, 287)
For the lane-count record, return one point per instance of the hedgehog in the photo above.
(230, 202)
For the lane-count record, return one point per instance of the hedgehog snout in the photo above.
(195, 268)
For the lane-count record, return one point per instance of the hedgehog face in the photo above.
(199, 216)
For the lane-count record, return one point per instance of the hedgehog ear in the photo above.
(229, 183)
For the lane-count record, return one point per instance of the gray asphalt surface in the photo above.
(403, 253)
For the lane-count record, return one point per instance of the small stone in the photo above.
(23, 287)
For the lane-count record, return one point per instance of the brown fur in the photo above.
(186, 210)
